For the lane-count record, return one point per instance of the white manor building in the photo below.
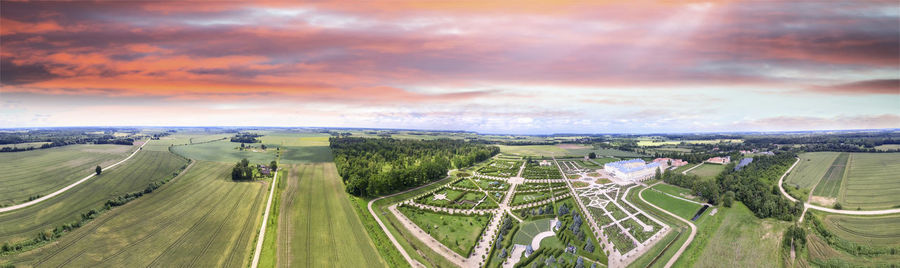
(633, 170)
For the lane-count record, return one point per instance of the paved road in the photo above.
(64, 189)
(262, 229)
(829, 210)
(692, 168)
(686, 243)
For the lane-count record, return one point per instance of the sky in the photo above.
(517, 67)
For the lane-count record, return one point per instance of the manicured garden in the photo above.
(458, 232)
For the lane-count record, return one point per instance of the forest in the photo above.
(379, 166)
(755, 185)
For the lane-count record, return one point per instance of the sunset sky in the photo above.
(493, 67)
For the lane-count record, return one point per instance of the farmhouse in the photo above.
(544, 163)
(719, 160)
(263, 169)
(634, 169)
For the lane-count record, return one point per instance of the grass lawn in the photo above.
(225, 151)
(43, 171)
(457, 232)
(317, 226)
(676, 191)
(268, 256)
(743, 240)
(872, 181)
(132, 175)
(681, 208)
(200, 219)
(811, 169)
(528, 229)
(708, 171)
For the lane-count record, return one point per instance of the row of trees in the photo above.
(756, 185)
(377, 166)
(245, 137)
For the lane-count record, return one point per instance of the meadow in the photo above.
(676, 191)
(811, 169)
(708, 171)
(830, 184)
(872, 181)
(201, 218)
(681, 208)
(131, 176)
(163, 143)
(40, 172)
(317, 226)
(743, 240)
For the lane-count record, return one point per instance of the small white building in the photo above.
(545, 163)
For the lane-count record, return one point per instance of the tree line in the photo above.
(756, 185)
(378, 166)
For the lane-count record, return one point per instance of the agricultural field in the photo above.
(457, 232)
(708, 171)
(163, 143)
(830, 184)
(885, 147)
(743, 240)
(811, 169)
(560, 150)
(225, 151)
(202, 218)
(681, 208)
(35, 145)
(872, 181)
(131, 176)
(40, 172)
(876, 231)
(317, 225)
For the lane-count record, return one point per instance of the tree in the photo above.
(836, 205)
(262, 146)
(98, 170)
(592, 155)
(589, 247)
(273, 165)
(658, 175)
(729, 198)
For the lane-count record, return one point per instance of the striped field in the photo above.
(132, 175)
(43, 171)
(811, 169)
(200, 219)
(872, 181)
(872, 231)
(830, 184)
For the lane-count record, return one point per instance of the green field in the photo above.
(562, 150)
(830, 184)
(224, 151)
(681, 208)
(872, 181)
(41, 172)
(202, 218)
(708, 171)
(743, 240)
(885, 147)
(879, 231)
(317, 226)
(811, 169)
(676, 191)
(528, 229)
(132, 175)
(457, 232)
(163, 143)
(26, 145)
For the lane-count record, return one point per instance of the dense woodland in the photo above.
(246, 138)
(378, 166)
(756, 185)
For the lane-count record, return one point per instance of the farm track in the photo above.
(70, 186)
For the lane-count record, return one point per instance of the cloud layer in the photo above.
(530, 67)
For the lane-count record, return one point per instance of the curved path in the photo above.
(64, 189)
(829, 210)
(536, 241)
(690, 237)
